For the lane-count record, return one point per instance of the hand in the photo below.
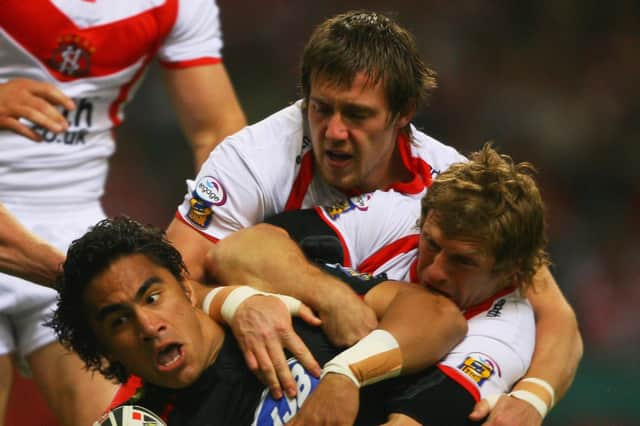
(346, 319)
(508, 411)
(262, 326)
(334, 402)
(35, 101)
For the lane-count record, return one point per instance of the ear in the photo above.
(188, 290)
(405, 117)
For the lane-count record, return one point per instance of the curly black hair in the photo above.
(87, 257)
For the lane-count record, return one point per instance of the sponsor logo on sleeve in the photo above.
(208, 192)
(274, 412)
(479, 367)
(211, 191)
(359, 202)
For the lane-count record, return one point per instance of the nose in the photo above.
(150, 324)
(435, 273)
(336, 128)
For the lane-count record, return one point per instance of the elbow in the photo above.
(453, 320)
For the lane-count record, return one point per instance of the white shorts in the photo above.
(24, 306)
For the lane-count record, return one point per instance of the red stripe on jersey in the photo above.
(105, 49)
(481, 307)
(125, 391)
(388, 252)
(207, 236)
(460, 378)
(191, 63)
(301, 184)
(346, 261)
(413, 271)
(419, 169)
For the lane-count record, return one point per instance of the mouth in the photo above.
(438, 291)
(338, 158)
(169, 356)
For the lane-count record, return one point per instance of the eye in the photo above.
(152, 298)
(320, 108)
(356, 115)
(118, 321)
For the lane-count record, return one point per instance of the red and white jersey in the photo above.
(497, 350)
(96, 52)
(378, 232)
(267, 168)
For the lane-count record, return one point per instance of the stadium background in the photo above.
(552, 82)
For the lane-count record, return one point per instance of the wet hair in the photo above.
(372, 43)
(87, 257)
(493, 200)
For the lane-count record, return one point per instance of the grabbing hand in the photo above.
(262, 326)
(508, 411)
(334, 402)
(347, 319)
(35, 101)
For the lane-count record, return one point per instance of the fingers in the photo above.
(308, 316)
(484, 407)
(301, 352)
(14, 125)
(37, 102)
(53, 95)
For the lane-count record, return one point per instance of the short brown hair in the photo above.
(493, 200)
(369, 42)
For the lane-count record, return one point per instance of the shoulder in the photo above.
(438, 155)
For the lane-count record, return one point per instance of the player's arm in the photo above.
(264, 257)
(193, 247)
(558, 351)
(206, 105)
(417, 328)
(24, 254)
(35, 101)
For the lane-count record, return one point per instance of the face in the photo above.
(459, 269)
(354, 140)
(143, 319)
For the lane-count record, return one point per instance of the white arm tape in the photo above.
(544, 384)
(532, 399)
(234, 299)
(240, 294)
(492, 400)
(206, 303)
(376, 357)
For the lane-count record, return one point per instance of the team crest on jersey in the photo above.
(359, 202)
(276, 412)
(350, 272)
(479, 367)
(72, 56)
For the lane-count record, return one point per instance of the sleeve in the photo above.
(226, 196)
(196, 37)
(497, 349)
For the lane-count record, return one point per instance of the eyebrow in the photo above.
(114, 307)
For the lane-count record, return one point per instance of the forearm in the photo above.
(206, 105)
(558, 347)
(24, 254)
(425, 325)
(264, 257)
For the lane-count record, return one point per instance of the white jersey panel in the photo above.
(370, 222)
(197, 32)
(96, 59)
(498, 347)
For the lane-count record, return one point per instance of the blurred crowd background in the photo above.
(551, 82)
